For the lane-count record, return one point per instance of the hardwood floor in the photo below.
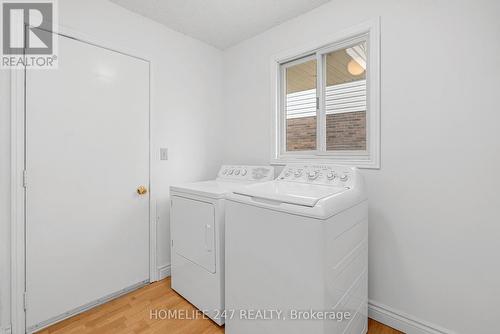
(131, 313)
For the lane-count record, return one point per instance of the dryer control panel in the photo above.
(334, 175)
(246, 173)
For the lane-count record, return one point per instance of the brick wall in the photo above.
(345, 131)
(301, 134)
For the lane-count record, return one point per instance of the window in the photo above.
(327, 101)
(300, 105)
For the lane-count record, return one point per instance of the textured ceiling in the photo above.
(221, 23)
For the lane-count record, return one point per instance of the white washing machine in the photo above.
(197, 231)
(296, 252)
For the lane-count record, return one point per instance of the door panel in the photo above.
(87, 151)
(193, 229)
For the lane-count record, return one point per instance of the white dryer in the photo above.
(296, 253)
(197, 232)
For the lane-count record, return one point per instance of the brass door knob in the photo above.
(142, 190)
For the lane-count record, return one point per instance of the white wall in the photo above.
(433, 205)
(186, 110)
(434, 219)
(4, 198)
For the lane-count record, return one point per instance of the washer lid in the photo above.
(290, 192)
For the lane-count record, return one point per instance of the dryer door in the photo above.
(193, 231)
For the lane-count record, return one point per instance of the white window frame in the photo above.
(370, 158)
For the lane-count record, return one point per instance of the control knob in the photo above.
(330, 176)
(243, 172)
(298, 173)
(313, 175)
(344, 177)
(237, 172)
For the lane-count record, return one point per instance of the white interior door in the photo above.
(87, 151)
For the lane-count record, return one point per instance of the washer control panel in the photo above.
(318, 174)
(246, 173)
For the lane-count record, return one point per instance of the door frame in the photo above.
(18, 194)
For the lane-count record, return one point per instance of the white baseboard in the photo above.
(163, 271)
(402, 321)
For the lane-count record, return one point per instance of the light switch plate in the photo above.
(163, 153)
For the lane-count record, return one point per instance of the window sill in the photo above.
(363, 162)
